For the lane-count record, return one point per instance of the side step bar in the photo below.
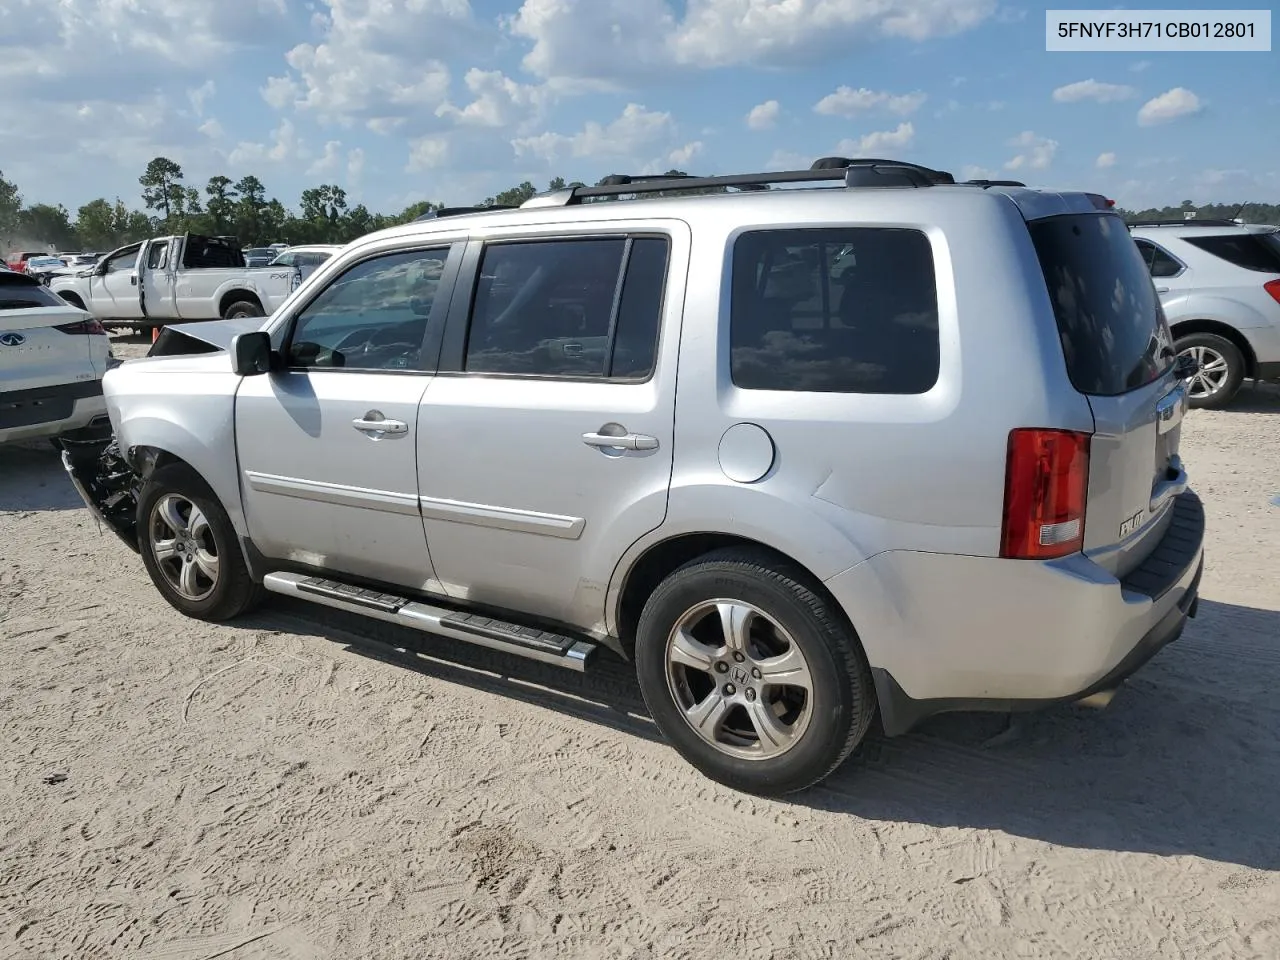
(528, 642)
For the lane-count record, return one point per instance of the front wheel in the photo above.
(751, 674)
(189, 547)
(1221, 370)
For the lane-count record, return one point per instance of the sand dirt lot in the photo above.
(302, 785)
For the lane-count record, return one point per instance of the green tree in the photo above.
(10, 206)
(512, 197)
(162, 188)
(47, 224)
(222, 203)
(413, 212)
(249, 209)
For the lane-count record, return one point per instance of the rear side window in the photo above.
(845, 310)
(25, 295)
(1252, 251)
(1159, 264)
(1113, 331)
(569, 308)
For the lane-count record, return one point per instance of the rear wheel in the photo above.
(189, 547)
(242, 308)
(1221, 369)
(751, 674)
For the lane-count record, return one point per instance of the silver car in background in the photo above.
(1219, 283)
(881, 445)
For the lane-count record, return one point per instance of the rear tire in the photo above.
(1222, 372)
(190, 549)
(779, 705)
(242, 308)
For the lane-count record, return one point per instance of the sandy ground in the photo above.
(301, 785)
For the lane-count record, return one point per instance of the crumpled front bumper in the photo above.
(106, 483)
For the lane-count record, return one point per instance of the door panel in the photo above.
(525, 505)
(322, 491)
(115, 293)
(327, 451)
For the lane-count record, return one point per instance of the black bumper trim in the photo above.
(1177, 550)
(899, 713)
(1267, 371)
(26, 408)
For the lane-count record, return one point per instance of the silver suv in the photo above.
(1219, 282)
(811, 448)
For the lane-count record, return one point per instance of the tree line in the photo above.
(241, 208)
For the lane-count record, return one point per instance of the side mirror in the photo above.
(251, 353)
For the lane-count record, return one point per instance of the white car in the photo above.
(52, 359)
(306, 257)
(1219, 284)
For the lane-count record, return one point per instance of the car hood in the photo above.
(219, 333)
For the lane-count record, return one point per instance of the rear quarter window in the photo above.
(1252, 251)
(834, 310)
(1113, 331)
(26, 295)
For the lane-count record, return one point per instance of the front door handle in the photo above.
(376, 425)
(1162, 289)
(627, 441)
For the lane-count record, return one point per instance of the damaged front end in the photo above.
(106, 483)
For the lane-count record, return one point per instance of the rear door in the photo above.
(156, 280)
(1120, 355)
(545, 442)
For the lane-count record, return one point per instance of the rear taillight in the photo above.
(1273, 287)
(1045, 491)
(90, 327)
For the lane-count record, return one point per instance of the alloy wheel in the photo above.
(181, 540)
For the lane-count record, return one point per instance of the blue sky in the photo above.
(451, 100)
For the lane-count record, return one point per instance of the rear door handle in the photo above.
(1162, 289)
(628, 441)
(374, 424)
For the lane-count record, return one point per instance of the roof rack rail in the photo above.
(1195, 222)
(459, 211)
(994, 183)
(851, 173)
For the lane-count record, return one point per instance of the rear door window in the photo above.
(843, 310)
(1112, 328)
(1252, 251)
(1159, 263)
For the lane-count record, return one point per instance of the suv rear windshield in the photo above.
(1113, 331)
(1252, 251)
(20, 292)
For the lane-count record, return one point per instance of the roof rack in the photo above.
(994, 183)
(1197, 222)
(459, 211)
(851, 173)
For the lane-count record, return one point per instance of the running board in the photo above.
(528, 642)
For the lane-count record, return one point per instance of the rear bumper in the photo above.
(52, 411)
(949, 633)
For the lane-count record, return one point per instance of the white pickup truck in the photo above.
(173, 279)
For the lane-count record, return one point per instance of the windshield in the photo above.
(1114, 334)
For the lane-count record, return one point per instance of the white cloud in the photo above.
(848, 102)
(634, 131)
(1140, 66)
(1036, 152)
(681, 156)
(355, 165)
(608, 41)
(198, 96)
(788, 160)
(498, 101)
(974, 172)
(1093, 90)
(1170, 105)
(878, 142)
(427, 153)
(763, 116)
(1105, 160)
(328, 161)
(212, 129)
(285, 146)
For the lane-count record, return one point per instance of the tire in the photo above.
(812, 733)
(1217, 385)
(183, 578)
(242, 308)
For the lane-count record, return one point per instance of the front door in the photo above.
(115, 292)
(326, 445)
(545, 441)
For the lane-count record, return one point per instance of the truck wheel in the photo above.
(1221, 370)
(189, 547)
(751, 674)
(242, 308)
